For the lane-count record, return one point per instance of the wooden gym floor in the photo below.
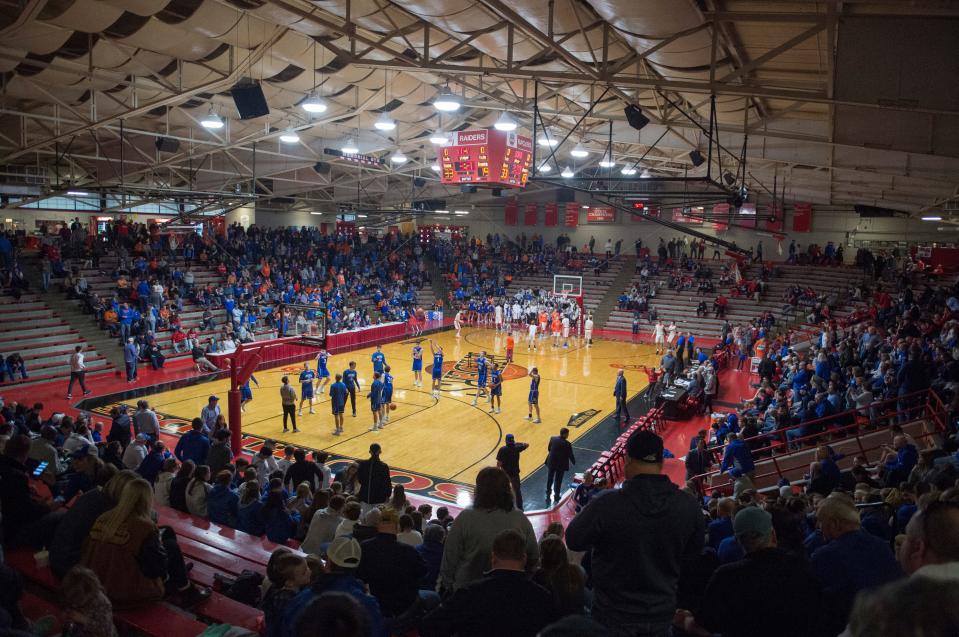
(447, 438)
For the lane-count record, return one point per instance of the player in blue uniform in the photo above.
(352, 382)
(437, 367)
(322, 371)
(495, 389)
(387, 395)
(482, 365)
(379, 361)
(417, 365)
(246, 394)
(376, 401)
(338, 402)
(533, 399)
(306, 387)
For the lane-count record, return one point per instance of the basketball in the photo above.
(392, 406)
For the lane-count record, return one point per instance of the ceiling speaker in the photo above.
(729, 178)
(419, 182)
(250, 101)
(635, 117)
(321, 168)
(696, 157)
(167, 145)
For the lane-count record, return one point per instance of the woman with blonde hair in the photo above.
(301, 500)
(398, 501)
(198, 491)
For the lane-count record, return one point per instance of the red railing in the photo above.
(610, 464)
(781, 460)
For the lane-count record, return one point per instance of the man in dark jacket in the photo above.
(392, 570)
(431, 550)
(558, 459)
(374, 477)
(21, 512)
(504, 603)
(639, 536)
(220, 454)
(193, 445)
(120, 429)
(621, 395)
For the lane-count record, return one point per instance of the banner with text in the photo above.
(531, 215)
(600, 214)
(572, 215)
(550, 214)
(802, 217)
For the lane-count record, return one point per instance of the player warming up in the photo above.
(533, 400)
(322, 371)
(306, 388)
(417, 365)
(565, 331)
(510, 344)
(352, 381)
(376, 404)
(387, 399)
(495, 389)
(531, 341)
(588, 330)
(338, 402)
(379, 360)
(458, 321)
(246, 394)
(659, 337)
(481, 377)
(437, 368)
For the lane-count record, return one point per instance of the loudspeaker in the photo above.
(469, 190)
(167, 145)
(696, 157)
(635, 117)
(565, 195)
(321, 168)
(729, 178)
(250, 101)
(497, 192)
(418, 182)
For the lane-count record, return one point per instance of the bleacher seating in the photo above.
(44, 340)
(595, 286)
(680, 306)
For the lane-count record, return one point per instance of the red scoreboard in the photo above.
(486, 156)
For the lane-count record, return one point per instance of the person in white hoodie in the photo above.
(161, 489)
(197, 492)
(135, 452)
(265, 463)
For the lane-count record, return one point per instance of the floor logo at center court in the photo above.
(463, 371)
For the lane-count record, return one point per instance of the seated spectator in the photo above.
(222, 503)
(292, 575)
(408, 534)
(722, 527)
(931, 545)
(323, 522)
(179, 485)
(86, 605)
(220, 454)
(431, 550)
(494, 599)
(280, 524)
(566, 582)
(135, 452)
(351, 516)
(915, 606)
(248, 518)
(198, 492)
(164, 480)
(899, 461)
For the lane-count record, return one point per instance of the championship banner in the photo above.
(511, 213)
(531, 215)
(600, 214)
(550, 214)
(802, 217)
(572, 215)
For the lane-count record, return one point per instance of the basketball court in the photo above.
(446, 440)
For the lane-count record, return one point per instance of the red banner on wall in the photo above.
(775, 221)
(531, 215)
(600, 214)
(802, 217)
(550, 214)
(572, 215)
(720, 216)
(511, 213)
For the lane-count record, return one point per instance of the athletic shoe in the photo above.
(285, 430)
(295, 430)
(530, 417)
(492, 411)
(336, 433)
(69, 395)
(299, 413)
(87, 392)
(499, 410)
(312, 412)
(537, 421)
(374, 428)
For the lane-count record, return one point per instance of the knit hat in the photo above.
(753, 521)
(645, 446)
(345, 552)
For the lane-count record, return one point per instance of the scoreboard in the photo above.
(486, 156)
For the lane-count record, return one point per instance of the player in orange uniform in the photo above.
(509, 348)
(543, 319)
(556, 327)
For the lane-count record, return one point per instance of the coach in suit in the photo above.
(619, 391)
(558, 459)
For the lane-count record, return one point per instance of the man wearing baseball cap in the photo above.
(639, 536)
(780, 583)
(343, 557)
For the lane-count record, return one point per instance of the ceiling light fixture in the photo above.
(579, 151)
(505, 123)
(78, 193)
(545, 168)
(446, 101)
(461, 212)
(607, 162)
(212, 121)
(439, 139)
(442, 212)
(385, 122)
(313, 104)
(435, 167)
(548, 141)
(628, 171)
(567, 173)
(398, 157)
(646, 174)
(350, 147)
(316, 213)
(289, 137)
(932, 218)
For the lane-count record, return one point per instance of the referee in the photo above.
(288, 398)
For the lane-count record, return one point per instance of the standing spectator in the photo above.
(209, 414)
(494, 600)
(374, 478)
(466, 554)
(288, 400)
(193, 445)
(303, 470)
(145, 421)
(120, 427)
(619, 391)
(558, 460)
(638, 536)
(851, 561)
(431, 550)
(507, 459)
(77, 372)
(131, 355)
(220, 455)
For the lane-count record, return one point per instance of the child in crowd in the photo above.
(88, 611)
(290, 574)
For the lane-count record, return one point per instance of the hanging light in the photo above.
(439, 139)
(446, 101)
(289, 137)
(350, 147)
(627, 170)
(547, 140)
(385, 122)
(398, 157)
(607, 161)
(545, 168)
(505, 123)
(646, 174)
(313, 104)
(579, 151)
(567, 173)
(212, 121)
